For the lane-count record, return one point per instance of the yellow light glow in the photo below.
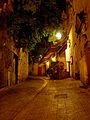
(54, 59)
(58, 35)
(47, 63)
(67, 51)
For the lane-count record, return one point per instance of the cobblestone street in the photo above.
(45, 100)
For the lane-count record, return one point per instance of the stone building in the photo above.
(78, 34)
(79, 38)
(13, 60)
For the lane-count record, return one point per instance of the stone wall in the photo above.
(13, 62)
(23, 65)
(7, 60)
(79, 40)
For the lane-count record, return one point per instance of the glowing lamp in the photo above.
(58, 35)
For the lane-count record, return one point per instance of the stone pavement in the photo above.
(55, 100)
(14, 99)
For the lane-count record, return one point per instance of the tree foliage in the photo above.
(32, 21)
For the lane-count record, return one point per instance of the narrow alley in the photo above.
(44, 60)
(44, 99)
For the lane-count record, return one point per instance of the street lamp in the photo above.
(58, 35)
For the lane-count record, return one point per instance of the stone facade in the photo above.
(13, 62)
(8, 60)
(79, 37)
(22, 64)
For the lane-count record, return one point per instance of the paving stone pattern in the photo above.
(59, 100)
